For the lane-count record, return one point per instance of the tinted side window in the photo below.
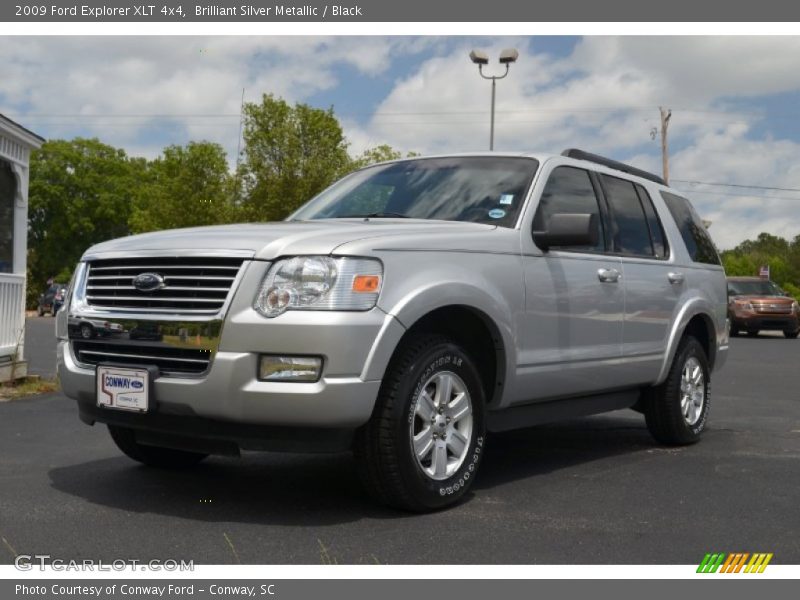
(569, 190)
(656, 230)
(693, 232)
(629, 227)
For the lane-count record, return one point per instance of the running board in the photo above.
(527, 415)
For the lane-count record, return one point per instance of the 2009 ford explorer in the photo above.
(405, 312)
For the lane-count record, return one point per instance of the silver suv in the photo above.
(404, 313)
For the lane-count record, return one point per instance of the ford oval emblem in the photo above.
(148, 282)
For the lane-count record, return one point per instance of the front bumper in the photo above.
(231, 392)
(762, 321)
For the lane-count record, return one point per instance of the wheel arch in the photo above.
(696, 318)
(468, 326)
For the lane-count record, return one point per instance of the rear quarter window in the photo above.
(695, 235)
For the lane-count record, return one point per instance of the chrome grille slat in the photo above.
(192, 284)
(172, 288)
(156, 299)
(141, 356)
(167, 277)
(154, 267)
(168, 359)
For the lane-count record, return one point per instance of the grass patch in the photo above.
(29, 386)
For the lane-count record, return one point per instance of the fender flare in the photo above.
(694, 307)
(422, 301)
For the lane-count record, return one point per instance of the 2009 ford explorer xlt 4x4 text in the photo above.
(405, 312)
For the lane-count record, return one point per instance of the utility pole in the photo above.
(666, 115)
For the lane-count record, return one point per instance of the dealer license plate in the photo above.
(123, 388)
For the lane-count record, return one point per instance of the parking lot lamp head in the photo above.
(479, 57)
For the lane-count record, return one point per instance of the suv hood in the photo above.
(270, 240)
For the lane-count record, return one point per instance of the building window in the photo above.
(8, 192)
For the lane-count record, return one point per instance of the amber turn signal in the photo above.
(368, 284)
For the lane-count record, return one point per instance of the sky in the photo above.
(734, 100)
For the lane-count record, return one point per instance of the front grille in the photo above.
(777, 309)
(168, 360)
(192, 285)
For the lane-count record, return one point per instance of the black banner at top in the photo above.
(397, 11)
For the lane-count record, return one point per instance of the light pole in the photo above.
(480, 58)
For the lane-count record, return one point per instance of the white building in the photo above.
(16, 144)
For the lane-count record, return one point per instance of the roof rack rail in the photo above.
(614, 164)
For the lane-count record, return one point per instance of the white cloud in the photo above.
(63, 83)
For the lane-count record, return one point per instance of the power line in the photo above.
(726, 195)
(739, 185)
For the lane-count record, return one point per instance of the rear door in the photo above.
(652, 285)
(572, 326)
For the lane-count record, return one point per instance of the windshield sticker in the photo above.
(497, 213)
(506, 198)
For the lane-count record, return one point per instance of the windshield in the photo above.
(475, 189)
(753, 288)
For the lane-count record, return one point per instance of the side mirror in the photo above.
(568, 229)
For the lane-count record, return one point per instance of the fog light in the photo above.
(289, 368)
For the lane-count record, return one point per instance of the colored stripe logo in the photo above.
(737, 562)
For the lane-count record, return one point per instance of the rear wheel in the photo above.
(792, 335)
(153, 456)
(676, 411)
(422, 447)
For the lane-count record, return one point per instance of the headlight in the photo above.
(795, 306)
(319, 283)
(745, 306)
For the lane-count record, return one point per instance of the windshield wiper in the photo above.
(375, 215)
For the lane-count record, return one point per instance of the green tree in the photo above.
(80, 193)
(291, 153)
(185, 187)
(782, 256)
(378, 154)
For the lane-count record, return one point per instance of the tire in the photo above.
(87, 331)
(152, 456)
(669, 420)
(40, 310)
(389, 467)
(53, 310)
(791, 335)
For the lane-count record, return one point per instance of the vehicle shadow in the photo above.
(316, 490)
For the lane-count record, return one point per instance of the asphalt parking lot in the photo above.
(594, 490)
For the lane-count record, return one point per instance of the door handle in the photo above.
(608, 275)
(675, 277)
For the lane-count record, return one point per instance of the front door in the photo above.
(574, 307)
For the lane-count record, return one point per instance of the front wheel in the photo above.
(676, 411)
(153, 456)
(422, 447)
